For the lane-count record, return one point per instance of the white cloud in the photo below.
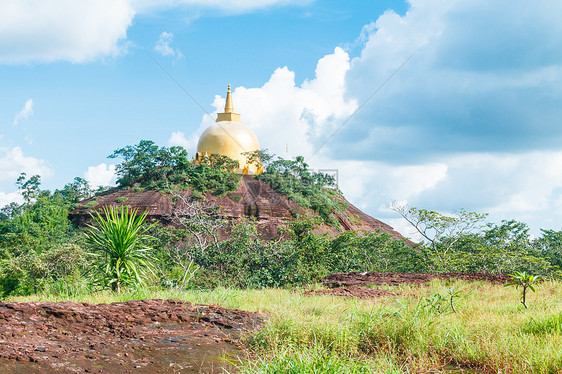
(25, 113)
(437, 136)
(13, 162)
(464, 88)
(163, 46)
(7, 198)
(81, 31)
(282, 114)
(230, 6)
(51, 30)
(100, 175)
(178, 139)
(526, 187)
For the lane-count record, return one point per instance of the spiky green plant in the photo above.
(526, 281)
(118, 239)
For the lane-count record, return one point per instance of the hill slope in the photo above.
(252, 200)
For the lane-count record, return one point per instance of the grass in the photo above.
(491, 331)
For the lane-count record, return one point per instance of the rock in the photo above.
(255, 200)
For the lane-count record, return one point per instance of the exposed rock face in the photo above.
(253, 200)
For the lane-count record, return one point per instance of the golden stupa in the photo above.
(229, 137)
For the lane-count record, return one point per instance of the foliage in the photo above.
(368, 251)
(29, 271)
(147, 165)
(549, 247)
(439, 230)
(37, 242)
(294, 179)
(76, 191)
(119, 243)
(461, 242)
(243, 259)
(526, 281)
(29, 188)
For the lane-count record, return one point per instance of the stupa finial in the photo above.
(228, 106)
(228, 114)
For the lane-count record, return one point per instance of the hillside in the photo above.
(253, 199)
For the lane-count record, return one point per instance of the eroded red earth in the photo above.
(155, 336)
(355, 278)
(349, 284)
(145, 336)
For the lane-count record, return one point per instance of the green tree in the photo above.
(146, 165)
(29, 188)
(440, 231)
(119, 239)
(73, 192)
(549, 245)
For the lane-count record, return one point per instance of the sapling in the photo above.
(526, 281)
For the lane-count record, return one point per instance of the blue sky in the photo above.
(473, 120)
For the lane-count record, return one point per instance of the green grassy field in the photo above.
(413, 332)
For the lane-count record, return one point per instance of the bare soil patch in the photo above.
(356, 292)
(358, 279)
(144, 336)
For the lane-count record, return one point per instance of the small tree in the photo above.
(118, 240)
(524, 280)
(440, 231)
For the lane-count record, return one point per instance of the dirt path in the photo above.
(146, 336)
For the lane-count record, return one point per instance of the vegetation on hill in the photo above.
(294, 179)
(146, 165)
(41, 251)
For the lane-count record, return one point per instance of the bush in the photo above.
(146, 165)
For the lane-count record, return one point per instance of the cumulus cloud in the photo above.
(81, 31)
(25, 113)
(163, 46)
(178, 138)
(479, 132)
(13, 162)
(12, 197)
(100, 175)
(52, 30)
(301, 115)
(478, 81)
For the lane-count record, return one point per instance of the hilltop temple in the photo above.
(228, 136)
(253, 199)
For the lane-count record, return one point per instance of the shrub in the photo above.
(118, 240)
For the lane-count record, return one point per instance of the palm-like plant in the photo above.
(526, 281)
(118, 239)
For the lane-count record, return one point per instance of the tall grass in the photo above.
(491, 331)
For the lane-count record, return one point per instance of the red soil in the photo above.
(146, 336)
(356, 292)
(356, 279)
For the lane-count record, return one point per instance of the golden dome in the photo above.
(229, 137)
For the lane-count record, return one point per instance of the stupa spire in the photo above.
(228, 114)
(228, 108)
